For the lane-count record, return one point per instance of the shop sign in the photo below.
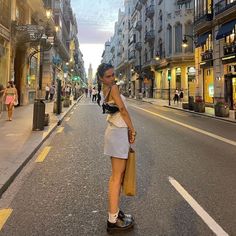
(211, 90)
(191, 70)
(206, 56)
(178, 71)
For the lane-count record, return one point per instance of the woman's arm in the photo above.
(115, 94)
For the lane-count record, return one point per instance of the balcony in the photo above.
(138, 6)
(229, 49)
(131, 55)
(205, 17)
(223, 6)
(150, 11)
(138, 25)
(138, 46)
(143, 1)
(150, 36)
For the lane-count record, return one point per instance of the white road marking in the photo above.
(190, 127)
(72, 113)
(211, 223)
(67, 119)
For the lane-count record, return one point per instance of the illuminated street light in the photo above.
(157, 56)
(49, 13)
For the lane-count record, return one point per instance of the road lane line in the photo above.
(60, 130)
(67, 119)
(211, 223)
(43, 154)
(4, 215)
(72, 113)
(190, 127)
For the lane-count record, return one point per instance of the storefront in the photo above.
(230, 86)
(208, 76)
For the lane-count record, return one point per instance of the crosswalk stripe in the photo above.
(43, 154)
(4, 215)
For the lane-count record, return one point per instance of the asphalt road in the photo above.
(185, 174)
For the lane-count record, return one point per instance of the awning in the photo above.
(201, 39)
(225, 29)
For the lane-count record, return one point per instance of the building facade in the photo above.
(215, 56)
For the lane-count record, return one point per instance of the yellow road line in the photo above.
(190, 127)
(4, 215)
(60, 130)
(43, 154)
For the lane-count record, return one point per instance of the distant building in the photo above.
(90, 75)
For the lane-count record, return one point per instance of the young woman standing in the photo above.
(120, 133)
(11, 97)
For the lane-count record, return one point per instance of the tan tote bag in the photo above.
(129, 182)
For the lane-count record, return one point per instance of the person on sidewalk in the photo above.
(119, 134)
(52, 92)
(176, 97)
(47, 90)
(181, 95)
(11, 98)
(1, 98)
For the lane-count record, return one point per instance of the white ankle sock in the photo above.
(112, 217)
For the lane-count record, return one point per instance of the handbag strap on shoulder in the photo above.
(108, 94)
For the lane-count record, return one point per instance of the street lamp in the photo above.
(157, 56)
(185, 41)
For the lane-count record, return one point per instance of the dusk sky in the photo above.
(96, 19)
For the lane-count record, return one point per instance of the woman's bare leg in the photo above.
(118, 168)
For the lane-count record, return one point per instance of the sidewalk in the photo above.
(18, 143)
(209, 111)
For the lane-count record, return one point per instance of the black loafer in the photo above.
(120, 225)
(122, 215)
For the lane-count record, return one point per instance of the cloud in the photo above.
(96, 19)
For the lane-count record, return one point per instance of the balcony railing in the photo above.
(201, 18)
(150, 11)
(138, 25)
(150, 36)
(221, 6)
(138, 46)
(138, 6)
(229, 49)
(143, 1)
(131, 55)
(207, 55)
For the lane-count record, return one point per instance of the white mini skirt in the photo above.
(116, 142)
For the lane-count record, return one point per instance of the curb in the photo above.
(19, 169)
(188, 111)
(201, 114)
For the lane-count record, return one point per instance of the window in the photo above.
(146, 55)
(231, 38)
(5, 10)
(178, 38)
(208, 46)
(189, 31)
(169, 38)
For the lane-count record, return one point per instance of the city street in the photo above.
(185, 177)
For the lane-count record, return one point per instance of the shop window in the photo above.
(208, 46)
(231, 38)
(178, 78)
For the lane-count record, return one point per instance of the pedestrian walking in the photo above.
(176, 97)
(52, 92)
(181, 95)
(11, 99)
(47, 90)
(86, 92)
(119, 134)
(1, 98)
(94, 94)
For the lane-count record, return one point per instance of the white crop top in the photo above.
(116, 118)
